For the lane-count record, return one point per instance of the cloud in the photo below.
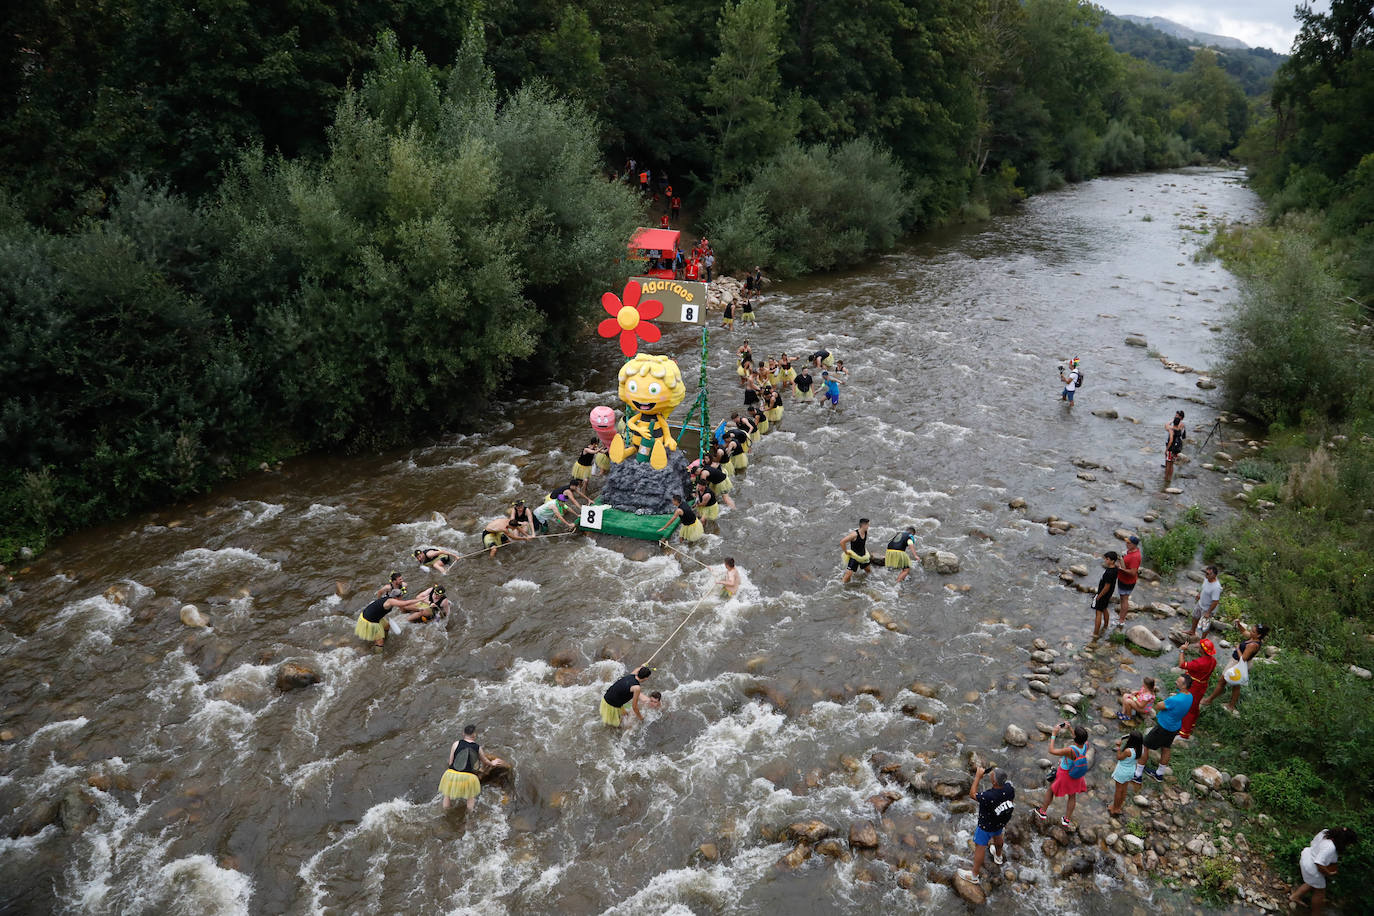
(1258, 23)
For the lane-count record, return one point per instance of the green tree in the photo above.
(751, 117)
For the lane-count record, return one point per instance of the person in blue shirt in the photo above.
(832, 389)
(1168, 722)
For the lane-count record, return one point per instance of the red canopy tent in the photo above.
(664, 241)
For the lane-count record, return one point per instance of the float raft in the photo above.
(610, 520)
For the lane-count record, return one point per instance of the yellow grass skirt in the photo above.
(774, 414)
(454, 784)
(740, 461)
(368, 630)
(710, 513)
(692, 532)
(725, 486)
(582, 471)
(897, 559)
(609, 714)
(603, 461)
(763, 425)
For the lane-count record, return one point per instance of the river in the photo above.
(215, 793)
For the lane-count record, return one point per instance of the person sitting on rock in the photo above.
(1137, 703)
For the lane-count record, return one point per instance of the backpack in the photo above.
(1079, 767)
(1080, 377)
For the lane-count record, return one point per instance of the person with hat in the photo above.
(1128, 574)
(995, 807)
(1070, 381)
(1199, 673)
(519, 517)
(395, 588)
(433, 600)
(552, 508)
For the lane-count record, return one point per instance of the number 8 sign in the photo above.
(591, 517)
(689, 314)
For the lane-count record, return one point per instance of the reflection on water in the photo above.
(212, 792)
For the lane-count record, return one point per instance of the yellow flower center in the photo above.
(628, 318)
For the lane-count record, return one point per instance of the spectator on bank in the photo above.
(1199, 671)
(1237, 674)
(995, 807)
(1128, 574)
(1128, 751)
(1168, 720)
(1208, 597)
(1318, 864)
(1069, 778)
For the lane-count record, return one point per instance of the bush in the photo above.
(1261, 470)
(1174, 549)
(816, 207)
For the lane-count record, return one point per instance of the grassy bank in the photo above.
(1300, 558)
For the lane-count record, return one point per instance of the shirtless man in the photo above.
(500, 531)
(729, 583)
(440, 560)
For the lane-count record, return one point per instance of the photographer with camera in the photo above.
(1072, 381)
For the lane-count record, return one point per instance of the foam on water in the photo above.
(201, 558)
(524, 586)
(202, 888)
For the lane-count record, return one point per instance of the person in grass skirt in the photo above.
(460, 778)
(691, 525)
(372, 625)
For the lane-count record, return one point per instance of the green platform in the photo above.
(629, 525)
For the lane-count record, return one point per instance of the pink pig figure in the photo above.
(603, 422)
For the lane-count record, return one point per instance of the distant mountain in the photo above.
(1169, 27)
(1253, 67)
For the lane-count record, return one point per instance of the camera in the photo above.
(1060, 368)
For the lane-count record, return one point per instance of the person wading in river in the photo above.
(372, 624)
(995, 807)
(1177, 431)
(460, 777)
(1128, 574)
(901, 550)
(854, 547)
(625, 690)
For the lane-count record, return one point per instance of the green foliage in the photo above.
(821, 208)
(1253, 68)
(1289, 347)
(1174, 549)
(751, 117)
(1262, 470)
(1216, 881)
(1290, 791)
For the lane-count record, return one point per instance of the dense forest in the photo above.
(1253, 68)
(232, 232)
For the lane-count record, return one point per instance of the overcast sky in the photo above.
(1258, 23)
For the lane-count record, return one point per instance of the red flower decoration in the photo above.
(631, 318)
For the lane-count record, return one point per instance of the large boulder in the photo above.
(1144, 637)
(941, 561)
(970, 892)
(809, 831)
(1209, 776)
(192, 617)
(863, 835)
(1015, 735)
(294, 675)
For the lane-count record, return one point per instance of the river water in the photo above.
(215, 793)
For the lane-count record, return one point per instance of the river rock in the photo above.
(77, 810)
(1121, 534)
(970, 893)
(1173, 491)
(1106, 413)
(1134, 341)
(1078, 569)
(809, 831)
(192, 617)
(709, 851)
(1209, 776)
(1144, 637)
(1015, 735)
(799, 854)
(1206, 384)
(832, 848)
(1133, 842)
(1017, 503)
(294, 675)
(1240, 782)
(942, 562)
(863, 835)
(1359, 672)
(924, 690)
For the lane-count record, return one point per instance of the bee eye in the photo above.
(633, 386)
(655, 388)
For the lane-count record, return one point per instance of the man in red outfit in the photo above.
(1199, 672)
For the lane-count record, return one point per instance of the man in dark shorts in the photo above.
(855, 550)
(1102, 601)
(994, 811)
(1168, 721)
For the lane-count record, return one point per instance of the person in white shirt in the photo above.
(1318, 863)
(1207, 600)
(1070, 381)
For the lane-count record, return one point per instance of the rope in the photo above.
(687, 555)
(507, 543)
(703, 597)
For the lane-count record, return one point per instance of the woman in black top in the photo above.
(460, 777)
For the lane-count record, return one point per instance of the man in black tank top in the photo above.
(855, 547)
(625, 690)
